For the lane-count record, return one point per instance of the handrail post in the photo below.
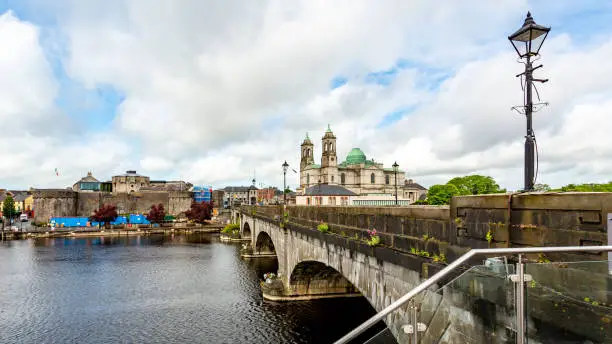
(415, 322)
(520, 301)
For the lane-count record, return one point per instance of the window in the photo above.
(325, 150)
(342, 178)
(372, 178)
(332, 179)
(387, 179)
(308, 201)
(307, 178)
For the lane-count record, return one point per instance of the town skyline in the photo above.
(234, 101)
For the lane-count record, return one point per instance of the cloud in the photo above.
(217, 93)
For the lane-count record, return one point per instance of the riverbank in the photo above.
(48, 232)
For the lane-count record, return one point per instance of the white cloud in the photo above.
(218, 92)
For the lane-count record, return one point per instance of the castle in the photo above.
(356, 173)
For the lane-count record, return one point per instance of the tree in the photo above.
(476, 185)
(589, 187)
(441, 194)
(541, 187)
(157, 214)
(200, 211)
(288, 191)
(105, 215)
(8, 208)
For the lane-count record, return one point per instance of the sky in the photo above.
(221, 92)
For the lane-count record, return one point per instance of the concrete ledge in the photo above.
(290, 298)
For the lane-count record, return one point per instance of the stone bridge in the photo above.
(416, 243)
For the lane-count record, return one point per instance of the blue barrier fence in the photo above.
(136, 219)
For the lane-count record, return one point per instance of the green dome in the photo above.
(355, 156)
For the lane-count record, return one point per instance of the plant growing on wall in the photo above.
(439, 258)
(106, 214)
(323, 227)
(374, 239)
(157, 214)
(200, 212)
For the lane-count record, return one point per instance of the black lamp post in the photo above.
(527, 42)
(395, 166)
(285, 167)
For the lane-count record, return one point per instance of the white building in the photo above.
(356, 173)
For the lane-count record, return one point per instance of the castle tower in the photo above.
(307, 153)
(329, 160)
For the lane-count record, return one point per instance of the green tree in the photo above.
(589, 187)
(476, 185)
(8, 208)
(541, 187)
(441, 194)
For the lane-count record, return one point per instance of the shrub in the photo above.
(199, 212)
(230, 227)
(323, 227)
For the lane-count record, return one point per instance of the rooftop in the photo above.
(130, 173)
(328, 190)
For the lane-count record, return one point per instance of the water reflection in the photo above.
(154, 289)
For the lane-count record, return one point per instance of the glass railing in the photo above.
(569, 302)
(562, 303)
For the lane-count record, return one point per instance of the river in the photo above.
(154, 289)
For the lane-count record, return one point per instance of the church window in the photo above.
(307, 178)
(372, 178)
(387, 179)
(332, 179)
(325, 147)
(342, 178)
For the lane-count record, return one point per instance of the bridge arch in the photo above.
(311, 277)
(264, 243)
(246, 230)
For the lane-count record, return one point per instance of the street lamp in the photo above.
(395, 166)
(527, 42)
(285, 167)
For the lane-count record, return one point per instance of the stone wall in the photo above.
(53, 203)
(49, 202)
(551, 219)
(482, 221)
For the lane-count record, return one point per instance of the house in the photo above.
(325, 194)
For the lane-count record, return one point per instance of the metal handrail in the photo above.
(452, 266)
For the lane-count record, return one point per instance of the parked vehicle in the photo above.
(14, 229)
(24, 217)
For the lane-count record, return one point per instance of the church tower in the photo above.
(329, 160)
(307, 153)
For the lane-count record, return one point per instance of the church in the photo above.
(357, 173)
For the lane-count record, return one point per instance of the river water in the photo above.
(154, 289)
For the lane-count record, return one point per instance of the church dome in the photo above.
(355, 156)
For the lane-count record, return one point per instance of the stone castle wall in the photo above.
(53, 203)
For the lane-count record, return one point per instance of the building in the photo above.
(87, 183)
(236, 195)
(202, 193)
(167, 185)
(218, 198)
(129, 182)
(325, 194)
(269, 195)
(356, 173)
(22, 200)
